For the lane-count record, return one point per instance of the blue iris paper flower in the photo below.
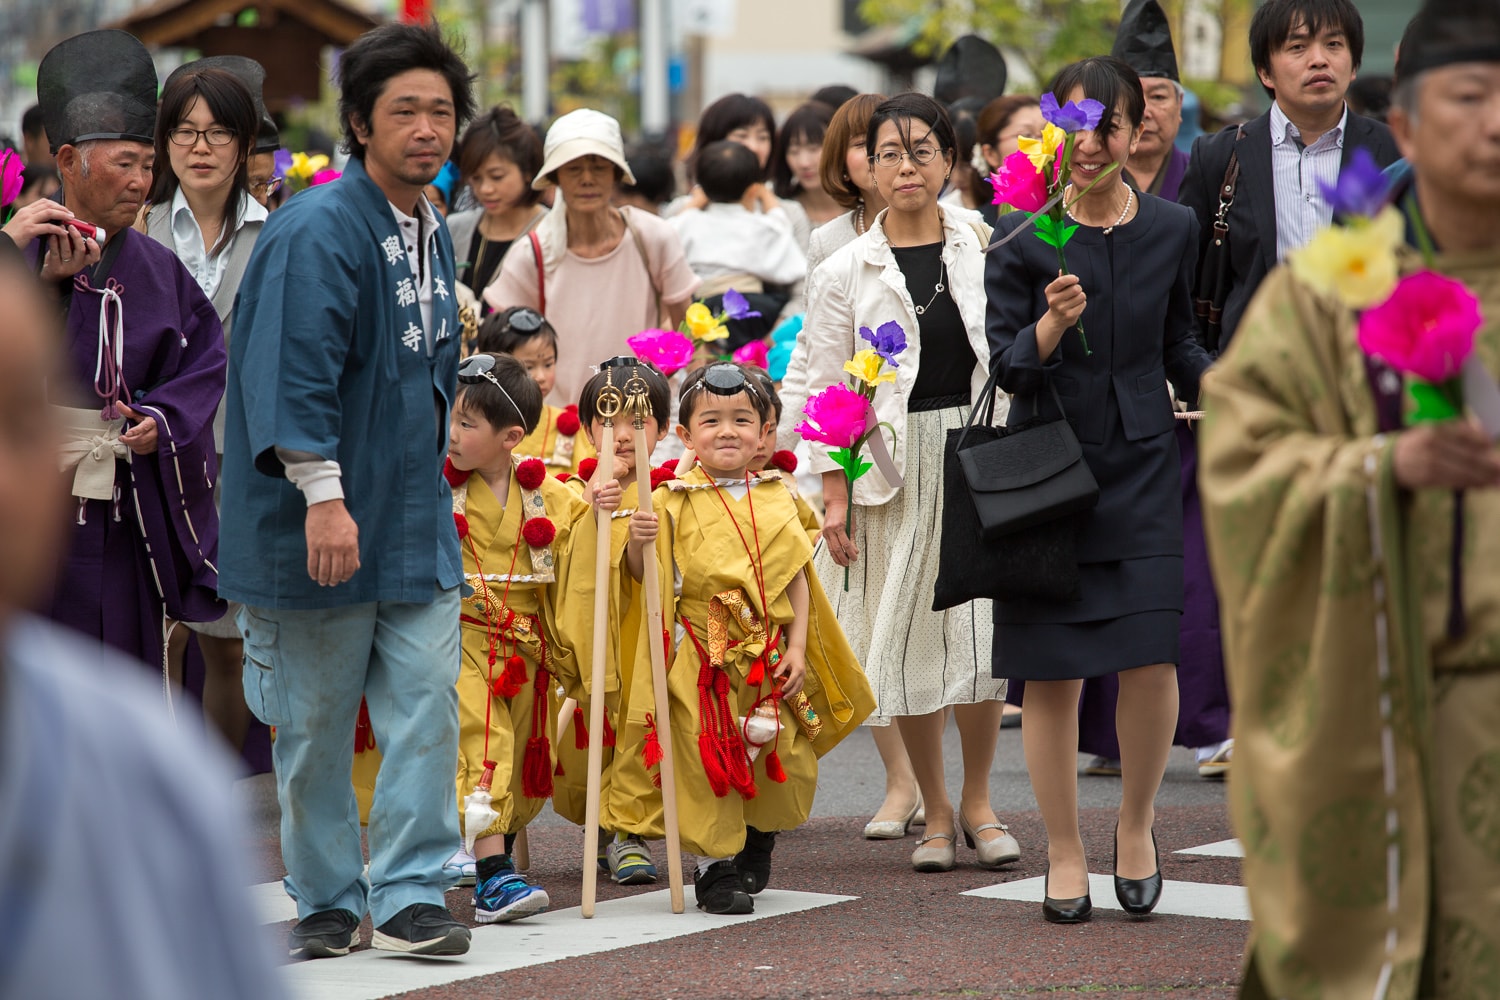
(736, 306)
(283, 162)
(1361, 189)
(1075, 116)
(889, 340)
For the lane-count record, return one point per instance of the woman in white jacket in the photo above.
(921, 267)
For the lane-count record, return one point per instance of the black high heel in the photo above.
(1064, 911)
(1138, 896)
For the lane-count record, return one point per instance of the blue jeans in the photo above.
(305, 672)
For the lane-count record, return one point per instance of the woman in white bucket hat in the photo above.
(599, 274)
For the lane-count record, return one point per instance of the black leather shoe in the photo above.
(754, 862)
(1138, 896)
(1065, 911)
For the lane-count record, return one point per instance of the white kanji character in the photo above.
(412, 338)
(392, 248)
(405, 293)
(438, 288)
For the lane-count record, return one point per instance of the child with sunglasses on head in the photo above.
(523, 333)
(630, 804)
(761, 681)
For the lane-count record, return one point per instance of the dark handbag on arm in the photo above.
(1212, 288)
(1010, 500)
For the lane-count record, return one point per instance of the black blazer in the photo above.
(1252, 217)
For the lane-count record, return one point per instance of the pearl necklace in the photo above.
(859, 219)
(1129, 200)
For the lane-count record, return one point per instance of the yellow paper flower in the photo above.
(1357, 263)
(866, 366)
(704, 325)
(303, 166)
(1044, 150)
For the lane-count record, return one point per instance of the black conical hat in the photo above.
(253, 75)
(1144, 41)
(971, 67)
(1445, 32)
(97, 85)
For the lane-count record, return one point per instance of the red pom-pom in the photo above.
(774, 770)
(530, 473)
(670, 465)
(587, 466)
(785, 461)
(568, 423)
(462, 524)
(563, 477)
(455, 477)
(538, 532)
(659, 476)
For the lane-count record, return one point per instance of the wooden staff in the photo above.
(608, 406)
(638, 404)
(522, 851)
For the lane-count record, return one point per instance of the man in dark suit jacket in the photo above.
(1306, 53)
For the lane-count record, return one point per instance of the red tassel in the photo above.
(713, 765)
(514, 677)
(580, 734)
(609, 733)
(651, 754)
(364, 734)
(774, 770)
(656, 779)
(536, 776)
(757, 672)
(558, 771)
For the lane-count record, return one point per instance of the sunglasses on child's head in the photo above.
(524, 319)
(478, 368)
(727, 379)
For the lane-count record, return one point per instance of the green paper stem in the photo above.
(1436, 403)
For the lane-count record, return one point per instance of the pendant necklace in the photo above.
(942, 273)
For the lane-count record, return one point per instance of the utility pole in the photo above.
(535, 62)
(655, 108)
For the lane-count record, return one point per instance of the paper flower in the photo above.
(753, 353)
(538, 532)
(1019, 184)
(11, 177)
(887, 340)
(282, 162)
(323, 177)
(666, 349)
(1355, 263)
(568, 423)
(704, 325)
(1075, 116)
(1361, 188)
(304, 167)
(866, 366)
(1426, 328)
(530, 473)
(736, 306)
(835, 417)
(1041, 151)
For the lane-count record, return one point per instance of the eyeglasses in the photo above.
(216, 136)
(478, 368)
(524, 319)
(267, 187)
(921, 156)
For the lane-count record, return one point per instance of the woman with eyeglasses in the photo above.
(919, 266)
(202, 208)
(1002, 124)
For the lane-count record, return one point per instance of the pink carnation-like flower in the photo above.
(324, 176)
(11, 177)
(753, 353)
(666, 349)
(1426, 328)
(1019, 184)
(835, 417)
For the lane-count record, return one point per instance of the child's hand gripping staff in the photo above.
(610, 402)
(638, 406)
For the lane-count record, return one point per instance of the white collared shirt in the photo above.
(428, 284)
(1301, 209)
(187, 240)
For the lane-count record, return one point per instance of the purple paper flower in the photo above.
(283, 162)
(1361, 187)
(888, 340)
(736, 306)
(1075, 116)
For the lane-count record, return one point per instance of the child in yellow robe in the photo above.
(558, 438)
(782, 463)
(762, 681)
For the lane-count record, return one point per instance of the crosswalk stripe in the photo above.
(1188, 899)
(1222, 849)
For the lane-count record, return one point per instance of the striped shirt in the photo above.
(1301, 209)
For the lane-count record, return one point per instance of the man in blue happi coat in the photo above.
(339, 535)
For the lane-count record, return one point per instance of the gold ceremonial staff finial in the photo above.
(610, 400)
(637, 398)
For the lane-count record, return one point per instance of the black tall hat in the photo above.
(971, 67)
(253, 75)
(97, 85)
(1445, 32)
(1144, 41)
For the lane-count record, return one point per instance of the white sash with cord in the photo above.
(90, 446)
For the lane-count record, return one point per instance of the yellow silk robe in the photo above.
(559, 452)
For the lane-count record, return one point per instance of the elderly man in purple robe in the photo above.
(145, 360)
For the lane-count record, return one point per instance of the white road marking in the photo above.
(1187, 899)
(1223, 849)
(548, 937)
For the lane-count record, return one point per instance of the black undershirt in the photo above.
(947, 359)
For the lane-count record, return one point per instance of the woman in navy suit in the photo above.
(1132, 260)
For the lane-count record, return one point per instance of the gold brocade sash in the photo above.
(731, 604)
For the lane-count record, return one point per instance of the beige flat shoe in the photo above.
(893, 829)
(939, 858)
(995, 852)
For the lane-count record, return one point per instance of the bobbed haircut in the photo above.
(1275, 20)
(233, 106)
(501, 132)
(1109, 81)
(658, 393)
(693, 391)
(730, 112)
(845, 129)
(996, 115)
(497, 336)
(485, 399)
(905, 111)
(726, 170)
(806, 125)
(388, 51)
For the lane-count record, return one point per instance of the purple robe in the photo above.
(151, 550)
(1169, 181)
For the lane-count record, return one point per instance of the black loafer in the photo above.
(1138, 896)
(754, 862)
(325, 934)
(1065, 911)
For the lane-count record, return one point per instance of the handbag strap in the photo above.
(1227, 189)
(983, 412)
(541, 272)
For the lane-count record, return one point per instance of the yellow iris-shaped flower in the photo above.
(1044, 150)
(1356, 264)
(866, 366)
(704, 325)
(303, 166)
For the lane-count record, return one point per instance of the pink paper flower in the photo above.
(1426, 328)
(323, 177)
(753, 353)
(835, 417)
(1019, 184)
(666, 349)
(10, 176)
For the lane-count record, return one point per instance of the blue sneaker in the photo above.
(507, 896)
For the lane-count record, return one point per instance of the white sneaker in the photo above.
(462, 864)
